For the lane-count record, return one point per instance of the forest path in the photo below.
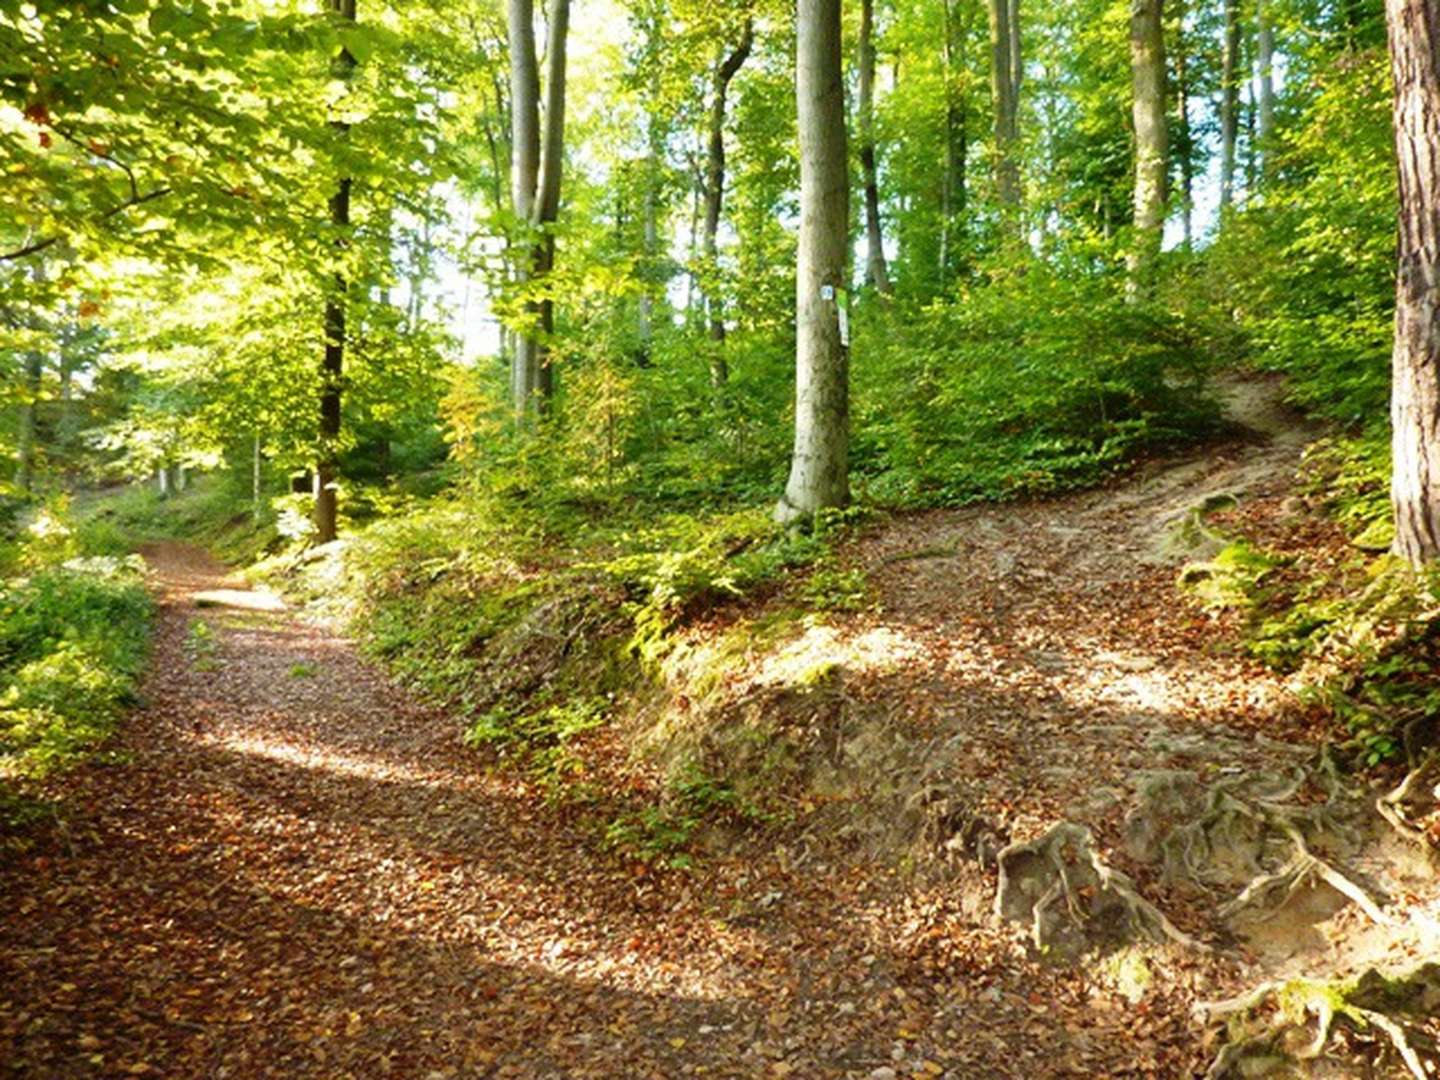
(300, 872)
(296, 871)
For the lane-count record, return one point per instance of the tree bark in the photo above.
(1003, 61)
(819, 476)
(524, 183)
(1152, 150)
(327, 466)
(876, 272)
(1183, 141)
(725, 71)
(1265, 60)
(25, 438)
(1414, 33)
(552, 159)
(953, 192)
(1229, 105)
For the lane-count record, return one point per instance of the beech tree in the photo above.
(1005, 95)
(535, 187)
(1229, 102)
(332, 366)
(1152, 145)
(876, 272)
(1414, 32)
(727, 65)
(819, 474)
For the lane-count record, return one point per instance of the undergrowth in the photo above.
(73, 639)
(1361, 632)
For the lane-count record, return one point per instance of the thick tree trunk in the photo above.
(1004, 101)
(327, 467)
(1414, 31)
(876, 272)
(1229, 104)
(819, 475)
(1265, 60)
(725, 71)
(1152, 148)
(524, 184)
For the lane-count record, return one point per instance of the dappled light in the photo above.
(656, 539)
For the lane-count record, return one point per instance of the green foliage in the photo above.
(1235, 578)
(1035, 382)
(541, 737)
(831, 588)
(662, 832)
(201, 646)
(1310, 269)
(72, 643)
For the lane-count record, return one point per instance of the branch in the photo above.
(40, 245)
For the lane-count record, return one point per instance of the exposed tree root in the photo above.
(1354, 1003)
(1421, 784)
(1072, 898)
(1302, 870)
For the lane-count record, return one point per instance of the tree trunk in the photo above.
(725, 70)
(1265, 59)
(953, 193)
(327, 468)
(1229, 105)
(1002, 91)
(1414, 31)
(524, 181)
(552, 159)
(876, 272)
(25, 438)
(256, 490)
(1147, 68)
(819, 475)
(1182, 120)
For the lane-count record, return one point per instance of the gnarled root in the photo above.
(1302, 869)
(1421, 785)
(1358, 1005)
(1072, 898)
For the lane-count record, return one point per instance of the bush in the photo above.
(72, 644)
(1033, 383)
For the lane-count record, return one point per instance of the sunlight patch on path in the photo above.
(244, 599)
(329, 760)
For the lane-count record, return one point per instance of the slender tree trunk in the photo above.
(1229, 105)
(552, 159)
(947, 185)
(1414, 31)
(1182, 120)
(655, 130)
(1152, 150)
(25, 438)
(876, 272)
(524, 181)
(1265, 59)
(725, 70)
(693, 292)
(819, 475)
(953, 193)
(327, 466)
(256, 489)
(1003, 48)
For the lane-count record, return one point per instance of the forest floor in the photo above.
(297, 871)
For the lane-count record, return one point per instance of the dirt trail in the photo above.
(300, 872)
